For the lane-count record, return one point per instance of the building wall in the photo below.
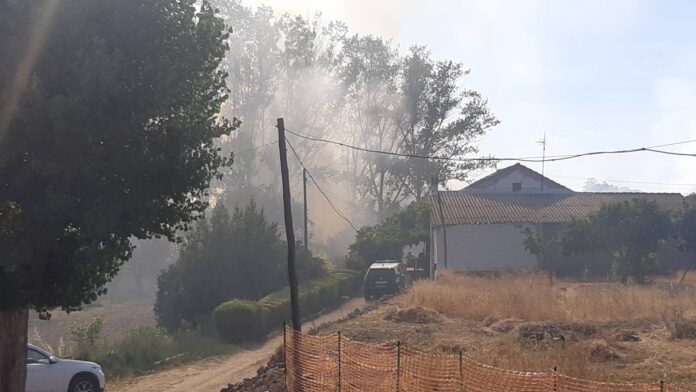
(482, 248)
(529, 185)
(499, 247)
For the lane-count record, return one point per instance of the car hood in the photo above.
(76, 363)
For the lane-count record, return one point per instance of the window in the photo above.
(516, 186)
(34, 356)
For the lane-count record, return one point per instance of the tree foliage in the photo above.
(112, 139)
(225, 257)
(354, 89)
(629, 234)
(686, 229)
(385, 240)
(407, 105)
(108, 115)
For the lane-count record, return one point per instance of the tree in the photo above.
(223, 258)
(437, 118)
(385, 240)
(368, 69)
(686, 229)
(407, 105)
(546, 249)
(110, 138)
(630, 233)
(281, 64)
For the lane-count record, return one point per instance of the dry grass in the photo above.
(610, 331)
(531, 297)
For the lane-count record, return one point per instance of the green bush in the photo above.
(385, 240)
(239, 320)
(238, 255)
(147, 348)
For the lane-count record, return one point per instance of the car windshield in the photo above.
(34, 356)
(380, 274)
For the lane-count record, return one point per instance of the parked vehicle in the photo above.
(385, 277)
(46, 373)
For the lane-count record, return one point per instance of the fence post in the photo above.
(662, 385)
(555, 378)
(339, 361)
(461, 371)
(398, 365)
(285, 355)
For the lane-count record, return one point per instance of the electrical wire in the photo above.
(674, 144)
(494, 159)
(257, 147)
(339, 213)
(623, 181)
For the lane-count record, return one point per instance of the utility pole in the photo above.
(304, 190)
(543, 159)
(292, 274)
(434, 184)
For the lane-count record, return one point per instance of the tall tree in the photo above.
(112, 137)
(281, 65)
(408, 105)
(368, 68)
(438, 118)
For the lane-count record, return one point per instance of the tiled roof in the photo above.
(470, 208)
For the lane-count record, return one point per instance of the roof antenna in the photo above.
(543, 159)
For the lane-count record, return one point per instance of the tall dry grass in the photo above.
(531, 297)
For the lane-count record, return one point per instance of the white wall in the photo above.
(529, 184)
(483, 248)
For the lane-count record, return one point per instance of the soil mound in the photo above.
(269, 378)
(602, 353)
(415, 315)
(505, 325)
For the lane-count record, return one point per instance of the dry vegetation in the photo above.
(119, 318)
(531, 297)
(598, 331)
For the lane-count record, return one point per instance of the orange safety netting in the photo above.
(334, 363)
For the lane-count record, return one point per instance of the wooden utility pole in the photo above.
(292, 274)
(304, 190)
(435, 181)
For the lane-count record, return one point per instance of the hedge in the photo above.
(240, 320)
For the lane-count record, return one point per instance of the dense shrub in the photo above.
(628, 236)
(241, 320)
(385, 240)
(226, 257)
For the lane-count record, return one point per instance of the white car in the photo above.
(46, 373)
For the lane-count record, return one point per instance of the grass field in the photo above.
(598, 331)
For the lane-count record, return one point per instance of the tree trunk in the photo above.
(13, 349)
(686, 271)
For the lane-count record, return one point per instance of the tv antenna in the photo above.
(542, 142)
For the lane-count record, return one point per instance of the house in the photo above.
(484, 221)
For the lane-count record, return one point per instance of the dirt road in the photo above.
(210, 375)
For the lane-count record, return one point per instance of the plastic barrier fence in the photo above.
(334, 363)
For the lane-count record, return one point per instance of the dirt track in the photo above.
(210, 375)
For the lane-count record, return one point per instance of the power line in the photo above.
(494, 159)
(625, 181)
(257, 147)
(674, 144)
(351, 204)
(339, 213)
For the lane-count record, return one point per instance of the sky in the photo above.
(591, 75)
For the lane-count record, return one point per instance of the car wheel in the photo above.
(83, 384)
